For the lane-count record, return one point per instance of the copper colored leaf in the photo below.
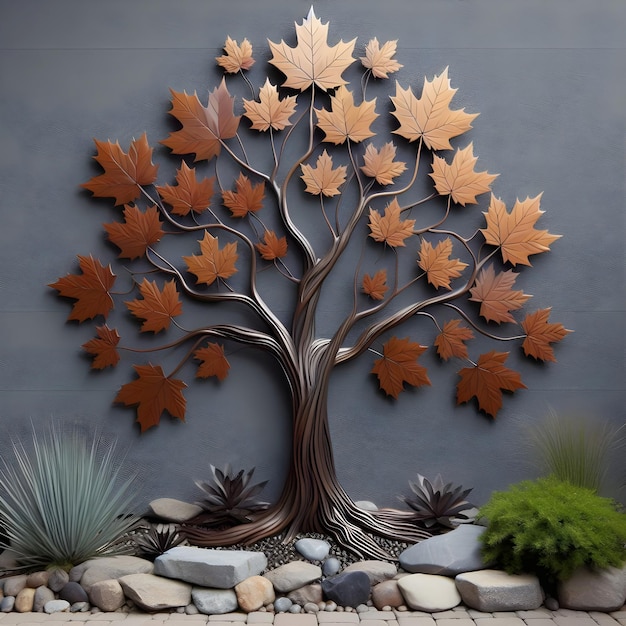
(153, 393)
(103, 348)
(399, 365)
(312, 61)
(247, 199)
(540, 334)
(91, 289)
(272, 247)
(450, 342)
(214, 362)
(486, 381)
(380, 164)
(139, 230)
(323, 179)
(212, 263)
(270, 110)
(380, 60)
(157, 307)
(438, 265)
(515, 232)
(189, 193)
(124, 173)
(389, 228)
(237, 57)
(376, 286)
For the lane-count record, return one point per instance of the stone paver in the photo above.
(413, 620)
(500, 621)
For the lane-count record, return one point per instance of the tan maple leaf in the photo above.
(138, 231)
(247, 199)
(438, 265)
(515, 232)
(157, 307)
(237, 57)
(214, 361)
(346, 120)
(323, 178)
(450, 342)
(380, 60)
(189, 193)
(376, 286)
(270, 110)
(272, 247)
(459, 180)
(103, 348)
(380, 164)
(540, 334)
(212, 263)
(389, 228)
(312, 61)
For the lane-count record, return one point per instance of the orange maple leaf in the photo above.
(399, 365)
(540, 334)
(91, 289)
(203, 128)
(138, 231)
(376, 286)
(270, 111)
(323, 179)
(486, 380)
(430, 116)
(212, 263)
(153, 392)
(272, 247)
(380, 164)
(158, 307)
(450, 342)
(103, 348)
(247, 199)
(380, 60)
(495, 295)
(312, 61)
(214, 361)
(515, 232)
(438, 265)
(237, 57)
(346, 120)
(459, 180)
(389, 228)
(189, 193)
(124, 173)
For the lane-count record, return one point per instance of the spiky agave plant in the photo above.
(157, 539)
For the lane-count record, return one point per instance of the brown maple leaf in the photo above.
(540, 334)
(389, 228)
(157, 307)
(312, 61)
(214, 361)
(380, 60)
(139, 230)
(515, 232)
(399, 365)
(247, 199)
(323, 179)
(438, 265)
(270, 110)
(450, 342)
(272, 247)
(459, 180)
(91, 289)
(376, 286)
(103, 348)
(124, 173)
(203, 128)
(153, 392)
(380, 164)
(486, 380)
(346, 120)
(189, 193)
(237, 57)
(496, 296)
(212, 263)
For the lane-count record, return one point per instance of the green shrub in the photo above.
(550, 528)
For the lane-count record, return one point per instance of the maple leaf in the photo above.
(323, 179)
(247, 199)
(376, 286)
(272, 247)
(237, 57)
(312, 61)
(438, 265)
(139, 230)
(540, 334)
(214, 362)
(103, 348)
(450, 341)
(346, 120)
(389, 228)
(158, 307)
(212, 263)
(153, 392)
(124, 172)
(379, 60)
(380, 164)
(91, 289)
(202, 127)
(189, 193)
(430, 116)
(270, 110)
(496, 296)
(486, 380)
(459, 179)
(515, 232)
(399, 365)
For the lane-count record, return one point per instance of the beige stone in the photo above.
(429, 592)
(24, 600)
(253, 593)
(107, 595)
(387, 593)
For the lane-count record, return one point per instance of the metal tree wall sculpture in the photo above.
(322, 155)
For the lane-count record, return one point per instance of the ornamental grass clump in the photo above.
(64, 501)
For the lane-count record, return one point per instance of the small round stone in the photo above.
(295, 608)
(311, 607)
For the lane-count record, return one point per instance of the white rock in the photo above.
(594, 590)
(428, 592)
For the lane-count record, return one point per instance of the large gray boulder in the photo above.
(594, 590)
(153, 593)
(107, 567)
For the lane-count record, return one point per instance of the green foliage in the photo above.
(550, 527)
(64, 501)
(153, 541)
